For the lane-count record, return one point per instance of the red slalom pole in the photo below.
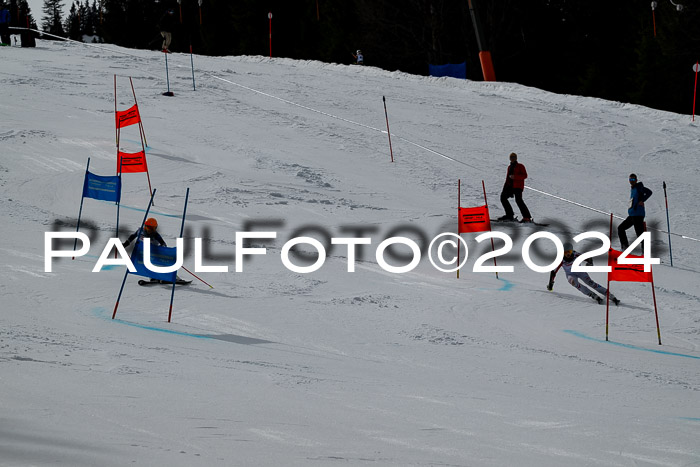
(269, 16)
(459, 207)
(202, 280)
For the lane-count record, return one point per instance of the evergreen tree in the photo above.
(52, 22)
(72, 26)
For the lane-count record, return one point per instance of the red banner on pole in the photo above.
(131, 163)
(474, 219)
(627, 272)
(128, 117)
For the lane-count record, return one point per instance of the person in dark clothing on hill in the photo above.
(149, 232)
(513, 187)
(636, 212)
(4, 24)
(166, 25)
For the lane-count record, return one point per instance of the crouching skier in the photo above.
(575, 278)
(150, 233)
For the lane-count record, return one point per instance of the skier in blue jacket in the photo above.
(635, 214)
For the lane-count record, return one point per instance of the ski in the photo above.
(516, 221)
(147, 283)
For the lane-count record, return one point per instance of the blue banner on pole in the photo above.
(453, 70)
(161, 256)
(103, 188)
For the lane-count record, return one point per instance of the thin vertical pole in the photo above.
(143, 132)
(459, 218)
(695, 90)
(269, 16)
(182, 228)
(607, 295)
(386, 115)
(668, 223)
(82, 198)
(653, 294)
(486, 203)
(167, 75)
(116, 121)
(194, 87)
(116, 305)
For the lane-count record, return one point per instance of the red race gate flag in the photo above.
(474, 219)
(627, 272)
(128, 117)
(131, 163)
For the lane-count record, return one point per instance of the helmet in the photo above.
(568, 247)
(152, 223)
(359, 51)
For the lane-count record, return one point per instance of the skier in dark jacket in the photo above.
(636, 213)
(514, 186)
(149, 231)
(166, 25)
(4, 24)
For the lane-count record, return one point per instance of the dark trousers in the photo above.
(637, 222)
(518, 193)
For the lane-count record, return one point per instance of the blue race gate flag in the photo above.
(102, 187)
(161, 256)
(454, 70)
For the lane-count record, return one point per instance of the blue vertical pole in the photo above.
(150, 203)
(82, 198)
(182, 228)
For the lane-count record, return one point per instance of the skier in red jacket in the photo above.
(515, 183)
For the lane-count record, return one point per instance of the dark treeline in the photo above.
(593, 48)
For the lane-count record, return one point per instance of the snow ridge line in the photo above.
(368, 127)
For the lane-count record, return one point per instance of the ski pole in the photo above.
(668, 223)
(210, 286)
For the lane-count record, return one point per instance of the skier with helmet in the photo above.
(575, 278)
(149, 232)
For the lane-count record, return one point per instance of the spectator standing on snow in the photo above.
(575, 278)
(359, 58)
(636, 212)
(513, 187)
(4, 24)
(166, 25)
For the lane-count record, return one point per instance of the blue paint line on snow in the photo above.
(629, 346)
(690, 419)
(100, 313)
(507, 285)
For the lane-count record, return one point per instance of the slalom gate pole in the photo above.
(653, 294)
(607, 304)
(493, 248)
(120, 199)
(143, 132)
(126, 273)
(459, 207)
(116, 122)
(182, 228)
(200, 279)
(167, 76)
(82, 198)
(668, 223)
(391, 151)
(695, 89)
(194, 88)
